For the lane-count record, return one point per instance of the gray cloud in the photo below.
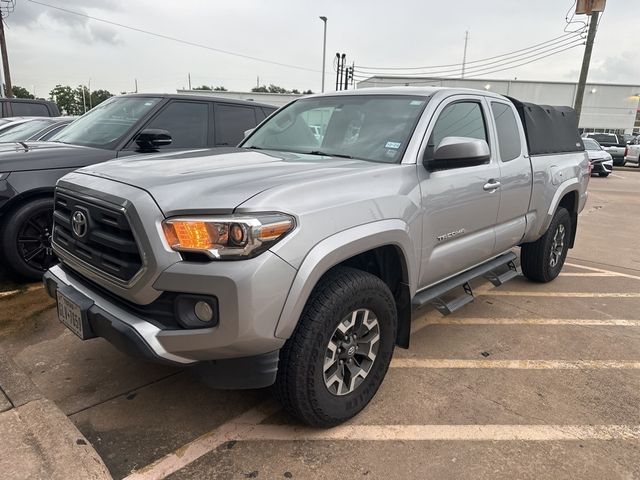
(31, 15)
(622, 68)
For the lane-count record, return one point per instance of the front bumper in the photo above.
(251, 295)
(599, 166)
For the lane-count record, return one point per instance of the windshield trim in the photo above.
(402, 151)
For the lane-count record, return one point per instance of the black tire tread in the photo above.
(533, 260)
(293, 381)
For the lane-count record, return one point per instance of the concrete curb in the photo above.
(37, 438)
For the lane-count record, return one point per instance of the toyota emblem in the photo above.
(79, 224)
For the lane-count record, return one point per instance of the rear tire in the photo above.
(543, 259)
(26, 239)
(326, 373)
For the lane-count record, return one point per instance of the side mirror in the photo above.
(248, 132)
(458, 152)
(153, 138)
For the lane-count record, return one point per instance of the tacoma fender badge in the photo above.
(449, 235)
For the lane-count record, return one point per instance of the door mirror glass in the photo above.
(458, 152)
(153, 138)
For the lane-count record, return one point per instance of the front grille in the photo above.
(108, 245)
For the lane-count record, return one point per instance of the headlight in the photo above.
(228, 237)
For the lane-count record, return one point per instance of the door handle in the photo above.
(491, 185)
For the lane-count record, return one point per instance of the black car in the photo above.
(24, 107)
(121, 126)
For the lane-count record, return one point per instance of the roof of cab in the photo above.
(205, 97)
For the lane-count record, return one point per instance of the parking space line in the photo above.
(590, 274)
(9, 293)
(513, 293)
(448, 433)
(616, 322)
(514, 364)
(235, 429)
(601, 270)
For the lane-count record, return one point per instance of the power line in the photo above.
(561, 38)
(417, 81)
(499, 63)
(175, 39)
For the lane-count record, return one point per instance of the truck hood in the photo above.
(218, 180)
(18, 157)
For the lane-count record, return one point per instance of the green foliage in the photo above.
(220, 89)
(307, 92)
(276, 89)
(21, 92)
(77, 101)
(203, 87)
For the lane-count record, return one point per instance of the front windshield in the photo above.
(366, 127)
(591, 144)
(106, 123)
(22, 131)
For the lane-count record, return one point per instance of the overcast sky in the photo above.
(48, 46)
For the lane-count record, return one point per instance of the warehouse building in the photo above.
(606, 107)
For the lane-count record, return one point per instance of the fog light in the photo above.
(203, 311)
(196, 311)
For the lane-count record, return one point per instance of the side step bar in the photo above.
(490, 270)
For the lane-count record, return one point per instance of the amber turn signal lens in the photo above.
(273, 231)
(188, 235)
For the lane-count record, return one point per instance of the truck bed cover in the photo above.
(549, 129)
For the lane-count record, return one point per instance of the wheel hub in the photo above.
(351, 352)
(557, 246)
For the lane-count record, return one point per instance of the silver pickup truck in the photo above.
(297, 258)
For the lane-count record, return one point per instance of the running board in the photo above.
(488, 270)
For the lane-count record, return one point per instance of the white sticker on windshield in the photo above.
(416, 102)
(395, 145)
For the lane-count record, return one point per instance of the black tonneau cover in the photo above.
(549, 129)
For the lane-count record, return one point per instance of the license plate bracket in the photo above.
(72, 311)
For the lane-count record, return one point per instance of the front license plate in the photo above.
(70, 314)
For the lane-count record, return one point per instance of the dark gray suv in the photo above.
(119, 127)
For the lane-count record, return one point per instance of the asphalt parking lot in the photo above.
(529, 381)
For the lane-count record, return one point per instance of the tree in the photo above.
(99, 96)
(203, 87)
(65, 98)
(296, 91)
(220, 89)
(307, 92)
(21, 92)
(261, 89)
(72, 102)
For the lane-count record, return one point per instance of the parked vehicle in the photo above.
(601, 161)
(633, 153)
(119, 127)
(613, 144)
(296, 261)
(23, 107)
(33, 129)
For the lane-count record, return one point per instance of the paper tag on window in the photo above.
(395, 145)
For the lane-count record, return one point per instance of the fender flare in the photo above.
(568, 186)
(337, 248)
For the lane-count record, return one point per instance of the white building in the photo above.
(605, 108)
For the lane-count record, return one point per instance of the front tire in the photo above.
(340, 351)
(26, 239)
(543, 259)
(604, 174)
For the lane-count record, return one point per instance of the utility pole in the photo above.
(341, 72)
(324, 49)
(90, 105)
(464, 55)
(189, 76)
(135, 80)
(594, 11)
(6, 7)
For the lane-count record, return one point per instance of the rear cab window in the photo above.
(28, 109)
(509, 144)
(231, 121)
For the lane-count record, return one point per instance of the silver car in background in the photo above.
(601, 161)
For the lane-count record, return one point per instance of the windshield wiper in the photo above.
(253, 147)
(319, 152)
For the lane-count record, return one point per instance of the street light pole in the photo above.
(324, 49)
